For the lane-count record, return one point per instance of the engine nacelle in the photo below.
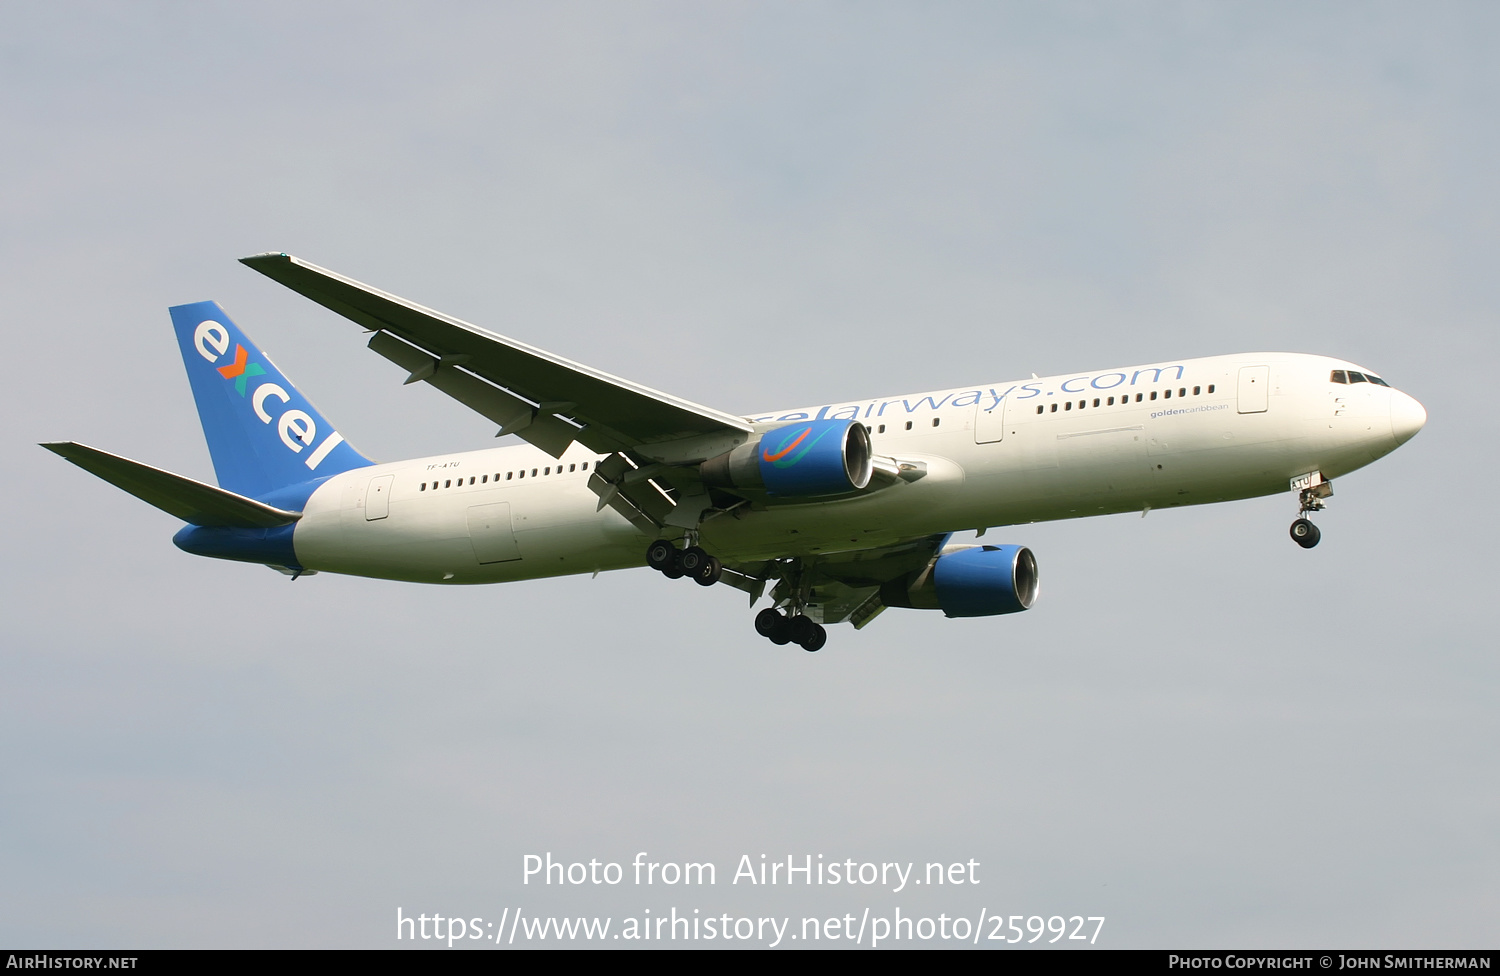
(801, 460)
(976, 581)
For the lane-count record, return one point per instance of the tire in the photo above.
(817, 640)
(674, 569)
(692, 558)
(708, 571)
(802, 629)
(1305, 534)
(774, 627)
(660, 554)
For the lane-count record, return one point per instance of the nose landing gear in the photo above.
(1305, 534)
(1311, 492)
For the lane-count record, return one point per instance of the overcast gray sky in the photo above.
(1201, 732)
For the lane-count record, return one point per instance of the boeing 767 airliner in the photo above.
(841, 509)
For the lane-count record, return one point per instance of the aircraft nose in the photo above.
(1407, 416)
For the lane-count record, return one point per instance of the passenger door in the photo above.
(989, 425)
(378, 497)
(1255, 389)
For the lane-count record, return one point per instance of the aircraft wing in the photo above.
(546, 399)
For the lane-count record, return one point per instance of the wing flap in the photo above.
(192, 501)
(622, 411)
(846, 586)
(537, 423)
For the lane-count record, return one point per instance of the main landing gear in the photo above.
(779, 628)
(791, 627)
(1304, 533)
(674, 563)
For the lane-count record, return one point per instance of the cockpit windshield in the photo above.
(1350, 376)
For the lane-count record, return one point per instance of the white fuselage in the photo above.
(1187, 433)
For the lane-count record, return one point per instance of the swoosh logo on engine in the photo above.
(773, 458)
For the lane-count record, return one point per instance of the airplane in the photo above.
(842, 509)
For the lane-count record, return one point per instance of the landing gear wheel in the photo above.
(692, 558)
(661, 554)
(816, 640)
(674, 570)
(707, 572)
(802, 629)
(768, 621)
(774, 627)
(1305, 534)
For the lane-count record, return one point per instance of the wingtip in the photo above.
(267, 257)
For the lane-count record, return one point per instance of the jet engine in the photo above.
(972, 581)
(802, 460)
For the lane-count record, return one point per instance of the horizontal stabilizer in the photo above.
(192, 501)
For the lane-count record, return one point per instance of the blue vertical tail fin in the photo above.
(263, 435)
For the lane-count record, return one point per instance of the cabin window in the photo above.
(584, 466)
(1110, 402)
(572, 468)
(471, 479)
(1068, 405)
(1096, 401)
(1165, 396)
(882, 428)
(1210, 387)
(448, 484)
(1197, 390)
(546, 471)
(1338, 376)
(934, 421)
(533, 472)
(1038, 408)
(1054, 408)
(1182, 392)
(424, 486)
(1356, 377)
(908, 425)
(1153, 394)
